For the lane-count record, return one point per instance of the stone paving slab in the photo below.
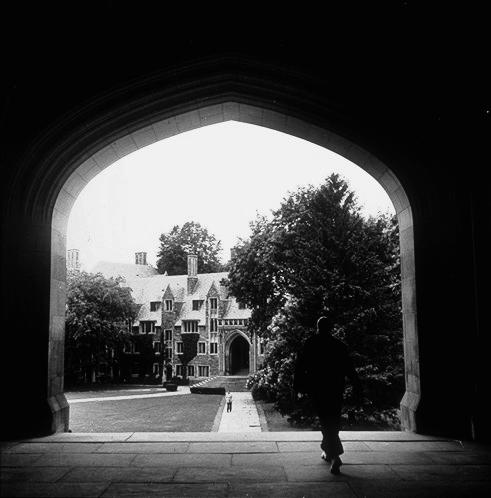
(232, 447)
(156, 447)
(457, 458)
(387, 457)
(415, 446)
(386, 436)
(216, 436)
(178, 460)
(315, 446)
(19, 459)
(295, 458)
(55, 448)
(404, 489)
(82, 437)
(37, 474)
(120, 474)
(320, 472)
(58, 489)
(240, 465)
(84, 459)
(313, 458)
(443, 472)
(263, 473)
(293, 490)
(128, 490)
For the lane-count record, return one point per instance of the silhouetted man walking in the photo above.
(321, 369)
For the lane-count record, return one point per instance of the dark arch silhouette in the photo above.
(239, 356)
(49, 160)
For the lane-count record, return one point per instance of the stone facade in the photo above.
(174, 309)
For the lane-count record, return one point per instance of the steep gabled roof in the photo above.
(168, 294)
(125, 270)
(145, 314)
(155, 287)
(232, 310)
(213, 291)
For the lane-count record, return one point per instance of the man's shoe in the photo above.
(336, 464)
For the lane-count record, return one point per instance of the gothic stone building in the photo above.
(174, 308)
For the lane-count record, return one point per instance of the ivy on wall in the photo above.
(189, 347)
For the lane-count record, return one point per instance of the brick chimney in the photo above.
(140, 258)
(192, 272)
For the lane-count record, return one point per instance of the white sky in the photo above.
(219, 176)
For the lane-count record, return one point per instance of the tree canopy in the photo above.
(319, 256)
(191, 238)
(99, 314)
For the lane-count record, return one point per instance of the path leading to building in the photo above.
(262, 464)
(232, 383)
(244, 416)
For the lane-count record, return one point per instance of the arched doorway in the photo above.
(239, 356)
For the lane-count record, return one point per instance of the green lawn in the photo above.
(184, 413)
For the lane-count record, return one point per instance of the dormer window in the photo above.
(213, 303)
(242, 306)
(197, 304)
(169, 305)
(154, 305)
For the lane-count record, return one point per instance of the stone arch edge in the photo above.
(228, 346)
(231, 338)
(257, 115)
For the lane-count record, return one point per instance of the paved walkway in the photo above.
(243, 417)
(267, 464)
(234, 383)
(161, 392)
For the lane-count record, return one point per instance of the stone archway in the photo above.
(281, 122)
(239, 350)
(256, 115)
(76, 150)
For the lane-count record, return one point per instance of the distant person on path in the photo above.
(320, 371)
(228, 399)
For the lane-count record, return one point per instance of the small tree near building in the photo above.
(99, 315)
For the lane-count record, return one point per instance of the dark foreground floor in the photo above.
(287, 464)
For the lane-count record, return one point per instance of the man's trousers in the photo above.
(330, 427)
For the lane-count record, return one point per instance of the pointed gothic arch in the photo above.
(238, 351)
(73, 152)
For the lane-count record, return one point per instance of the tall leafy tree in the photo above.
(319, 256)
(191, 238)
(99, 313)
